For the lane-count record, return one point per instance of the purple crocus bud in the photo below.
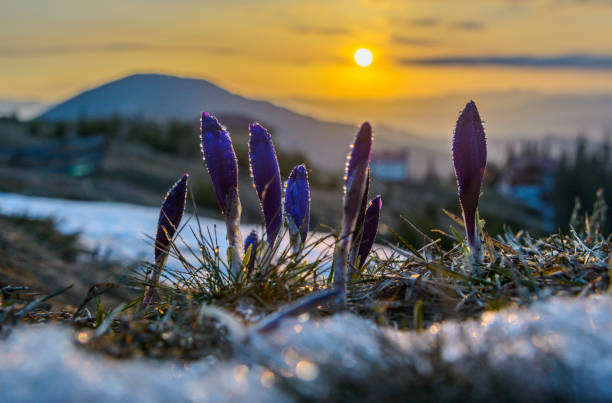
(170, 217)
(251, 241)
(354, 187)
(222, 166)
(220, 160)
(266, 178)
(364, 204)
(358, 159)
(370, 228)
(297, 203)
(470, 159)
(359, 224)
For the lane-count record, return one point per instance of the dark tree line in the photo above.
(172, 137)
(579, 175)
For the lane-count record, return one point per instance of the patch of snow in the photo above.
(122, 229)
(42, 363)
(557, 350)
(119, 229)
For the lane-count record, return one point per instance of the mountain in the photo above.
(167, 97)
(423, 126)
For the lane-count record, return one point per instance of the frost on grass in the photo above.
(557, 350)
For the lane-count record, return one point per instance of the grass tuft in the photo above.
(400, 285)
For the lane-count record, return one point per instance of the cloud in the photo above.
(605, 2)
(413, 41)
(426, 22)
(557, 3)
(8, 52)
(570, 61)
(432, 22)
(467, 25)
(329, 31)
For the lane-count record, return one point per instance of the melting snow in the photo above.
(559, 349)
(115, 229)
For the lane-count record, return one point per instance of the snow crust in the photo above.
(559, 349)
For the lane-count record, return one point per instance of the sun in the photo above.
(363, 57)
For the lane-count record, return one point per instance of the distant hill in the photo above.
(167, 97)
(510, 117)
(508, 114)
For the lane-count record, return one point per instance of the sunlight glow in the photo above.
(363, 57)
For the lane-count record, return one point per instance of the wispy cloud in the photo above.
(605, 2)
(467, 25)
(75, 49)
(413, 41)
(329, 31)
(556, 3)
(433, 22)
(426, 22)
(570, 61)
(63, 49)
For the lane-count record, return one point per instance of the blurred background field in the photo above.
(133, 159)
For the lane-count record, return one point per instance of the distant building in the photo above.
(529, 180)
(389, 166)
(71, 156)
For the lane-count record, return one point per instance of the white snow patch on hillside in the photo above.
(121, 229)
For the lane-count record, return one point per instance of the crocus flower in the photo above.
(222, 166)
(251, 241)
(170, 217)
(359, 224)
(358, 161)
(266, 178)
(297, 203)
(370, 228)
(470, 159)
(220, 160)
(364, 204)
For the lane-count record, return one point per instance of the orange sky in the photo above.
(294, 49)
